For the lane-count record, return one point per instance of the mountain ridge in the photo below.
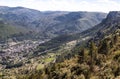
(50, 24)
(98, 59)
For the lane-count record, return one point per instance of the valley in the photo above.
(21, 61)
(97, 58)
(59, 44)
(26, 24)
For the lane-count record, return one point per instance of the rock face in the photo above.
(108, 26)
(50, 23)
(114, 15)
(111, 23)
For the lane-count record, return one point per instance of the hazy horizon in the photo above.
(65, 5)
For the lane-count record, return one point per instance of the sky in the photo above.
(66, 5)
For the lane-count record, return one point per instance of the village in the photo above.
(14, 52)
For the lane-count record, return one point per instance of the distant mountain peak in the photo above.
(50, 23)
(108, 26)
(19, 7)
(114, 15)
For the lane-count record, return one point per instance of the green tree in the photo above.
(93, 54)
(116, 39)
(104, 47)
(93, 51)
(81, 55)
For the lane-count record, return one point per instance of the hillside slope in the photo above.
(95, 62)
(8, 31)
(50, 24)
(107, 26)
(98, 60)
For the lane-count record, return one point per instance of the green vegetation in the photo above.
(94, 57)
(55, 43)
(40, 66)
(7, 31)
(99, 61)
(49, 59)
(14, 65)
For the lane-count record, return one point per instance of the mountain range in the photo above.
(98, 59)
(47, 24)
(81, 45)
(107, 26)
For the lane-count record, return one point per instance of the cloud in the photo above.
(65, 5)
